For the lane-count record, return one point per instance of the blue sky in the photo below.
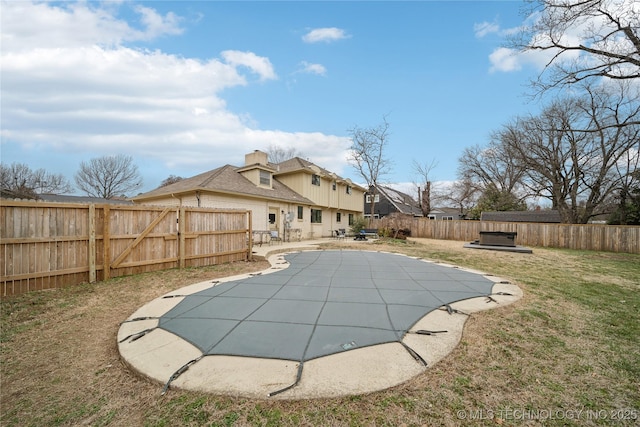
(185, 87)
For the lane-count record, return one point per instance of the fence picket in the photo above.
(48, 245)
(596, 237)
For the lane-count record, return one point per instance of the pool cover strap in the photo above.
(179, 372)
(137, 335)
(298, 377)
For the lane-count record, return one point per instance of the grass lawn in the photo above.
(568, 353)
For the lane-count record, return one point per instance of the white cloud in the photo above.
(71, 87)
(307, 67)
(484, 28)
(504, 59)
(259, 65)
(156, 24)
(326, 35)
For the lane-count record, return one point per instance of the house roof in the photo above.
(298, 164)
(61, 198)
(549, 216)
(226, 179)
(450, 211)
(401, 201)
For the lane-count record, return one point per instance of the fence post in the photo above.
(106, 243)
(92, 243)
(250, 255)
(181, 237)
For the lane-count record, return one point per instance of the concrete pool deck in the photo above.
(173, 361)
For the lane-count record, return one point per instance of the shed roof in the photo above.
(548, 216)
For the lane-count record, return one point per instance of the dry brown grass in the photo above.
(571, 343)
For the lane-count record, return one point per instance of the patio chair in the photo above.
(275, 237)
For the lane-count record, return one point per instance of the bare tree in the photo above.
(627, 194)
(277, 154)
(586, 38)
(21, 179)
(108, 176)
(171, 179)
(492, 165)
(367, 155)
(464, 195)
(571, 150)
(423, 170)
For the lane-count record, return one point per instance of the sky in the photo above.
(186, 87)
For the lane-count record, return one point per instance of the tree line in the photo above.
(581, 152)
(106, 177)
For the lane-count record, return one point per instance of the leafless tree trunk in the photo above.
(367, 155)
(424, 195)
(108, 176)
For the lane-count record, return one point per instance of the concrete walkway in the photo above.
(278, 247)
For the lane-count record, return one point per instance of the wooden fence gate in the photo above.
(51, 245)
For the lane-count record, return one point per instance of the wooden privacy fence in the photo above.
(51, 245)
(595, 237)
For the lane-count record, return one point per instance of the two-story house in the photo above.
(293, 196)
(388, 201)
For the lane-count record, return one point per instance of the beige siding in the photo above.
(324, 195)
(259, 209)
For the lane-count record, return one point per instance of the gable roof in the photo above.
(446, 210)
(401, 201)
(549, 216)
(226, 179)
(298, 164)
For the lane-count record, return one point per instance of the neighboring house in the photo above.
(293, 195)
(446, 214)
(388, 201)
(544, 216)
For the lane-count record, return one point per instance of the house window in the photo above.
(431, 216)
(334, 185)
(447, 218)
(300, 210)
(350, 219)
(272, 218)
(316, 216)
(315, 180)
(265, 178)
(348, 189)
(376, 198)
(339, 217)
